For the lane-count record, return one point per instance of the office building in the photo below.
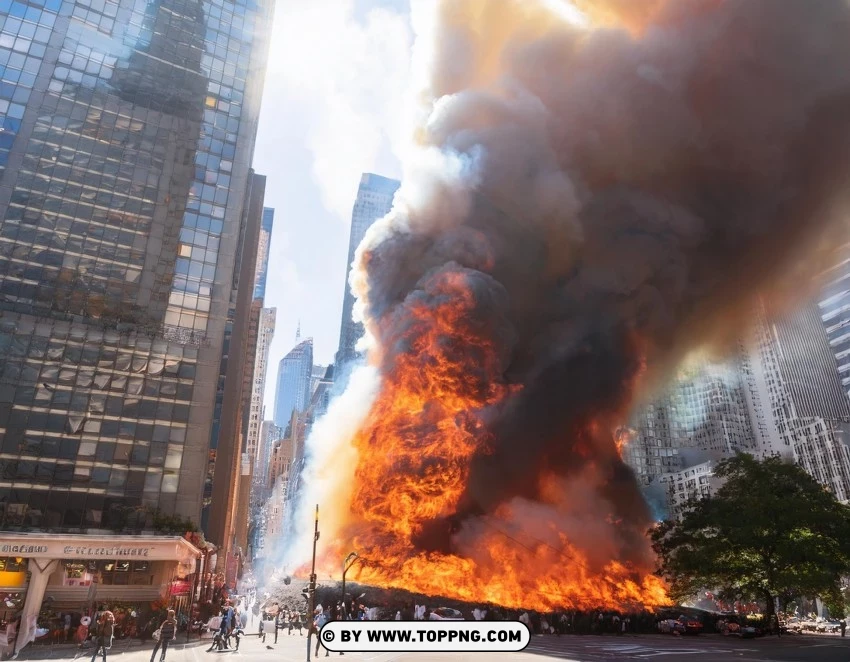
(227, 470)
(807, 397)
(834, 311)
(263, 253)
(266, 334)
(260, 491)
(127, 135)
(374, 201)
(293, 382)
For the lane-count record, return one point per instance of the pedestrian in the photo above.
(166, 633)
(103, 635)
(296, 621)
(843, 625)
(261, 633)
(278, 620)
(67, 628)
(319, 621)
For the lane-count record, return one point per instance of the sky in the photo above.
(337, 74)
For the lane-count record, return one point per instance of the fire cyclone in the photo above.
(585, 200)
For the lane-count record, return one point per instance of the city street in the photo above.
(579, 649)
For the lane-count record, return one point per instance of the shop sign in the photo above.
(180, 587)
(23, 549)
(111, 552)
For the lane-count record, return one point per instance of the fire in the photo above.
(428, 422)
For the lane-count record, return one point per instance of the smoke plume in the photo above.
(582, 204)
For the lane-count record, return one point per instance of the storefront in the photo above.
(52, 578)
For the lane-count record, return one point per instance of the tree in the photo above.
(769, 531)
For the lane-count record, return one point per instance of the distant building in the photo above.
(374, 201)
(265, 336)
(294, 375)
(703, 416)
(834, 311)
(808, 400)
(681, 487)
(317, 375)
(780, 395)
(263, 253)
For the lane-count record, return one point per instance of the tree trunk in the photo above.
(770, 609)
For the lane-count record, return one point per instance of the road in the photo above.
(661, 648)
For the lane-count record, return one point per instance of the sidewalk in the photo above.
(119, 647)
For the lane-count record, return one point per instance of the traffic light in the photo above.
(306, 592)
(287, 580)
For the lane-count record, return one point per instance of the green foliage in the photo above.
(770, 531)
(172, 523)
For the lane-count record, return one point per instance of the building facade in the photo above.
(780, 394)
(374, 201)
(127, 135)
(268, 316)
(294, 376)
(263, 253)
(226, 471)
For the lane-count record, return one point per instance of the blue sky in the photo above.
(337, 72)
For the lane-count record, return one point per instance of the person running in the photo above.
(104, 633)
(318, 622)
(295, 621)
(167, 634)
(278, 620)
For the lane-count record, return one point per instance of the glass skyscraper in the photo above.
(126, 134)
(294, 375)
(374, 200)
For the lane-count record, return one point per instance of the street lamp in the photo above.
(312, 586)
(349, 561)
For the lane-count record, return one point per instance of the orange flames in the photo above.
(414, 455)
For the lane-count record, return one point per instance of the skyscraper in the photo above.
(266, 333)
(128, 130)
(834, 309)
(374, 201)
(807, 398)
(293, 382)
(226, 463)
(263, 253)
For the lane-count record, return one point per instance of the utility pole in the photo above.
(349, 561)
(311, 601)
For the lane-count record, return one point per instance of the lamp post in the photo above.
(312, 588)
(349, 561)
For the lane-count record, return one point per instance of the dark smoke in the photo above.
(626, 193)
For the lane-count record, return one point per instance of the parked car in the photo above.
(446, 614)
(749, 631)
(690, 625)
(671, 626)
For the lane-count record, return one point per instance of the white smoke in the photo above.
(328, 472)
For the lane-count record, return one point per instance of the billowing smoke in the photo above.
(582, 204)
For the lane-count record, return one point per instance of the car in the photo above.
(690, 625)
(671, 626)
(446, 614)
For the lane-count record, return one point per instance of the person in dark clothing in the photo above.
(278, 621)
(167, 634)
(104, 634)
